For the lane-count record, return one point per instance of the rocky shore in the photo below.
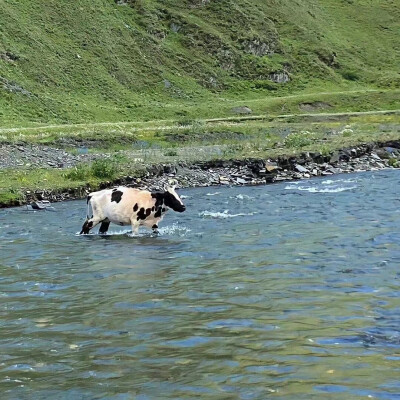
(41, 156)
(251, 171)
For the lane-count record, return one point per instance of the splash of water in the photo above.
(223, 215)
(316, 189)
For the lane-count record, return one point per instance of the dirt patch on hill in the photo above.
(314, 106)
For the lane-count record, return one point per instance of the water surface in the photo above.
(283, 291)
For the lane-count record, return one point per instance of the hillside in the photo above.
(125, 60)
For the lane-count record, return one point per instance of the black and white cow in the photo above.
(128, 206)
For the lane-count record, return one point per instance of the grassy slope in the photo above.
(93, 61)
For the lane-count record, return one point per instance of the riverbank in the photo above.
(244, 171)
(56, 163)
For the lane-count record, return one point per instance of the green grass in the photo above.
(97, 61)
(15, 183)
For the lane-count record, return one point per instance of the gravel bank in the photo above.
(40, 156)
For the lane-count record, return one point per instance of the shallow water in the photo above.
(283, 291)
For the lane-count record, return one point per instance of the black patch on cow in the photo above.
(172, 202)
(114, 190)
(104, 226)
(135, 207)
(155, 226)
(159, 196)
(153, 208)
(158, 213)
(88, 199)
(148, 211)
(164, 209)
(116, 196)
(141, 214)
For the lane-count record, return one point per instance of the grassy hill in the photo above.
(86, 61)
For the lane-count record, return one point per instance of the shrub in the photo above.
(299, 139)
(185, 122)
(350, 75)
(104, 169)
(347, 132)
(78, 173)
(171, 153)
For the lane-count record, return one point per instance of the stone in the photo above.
(270, 178)
(271, 167)
(170, 169)
(314, 106)
(300, 168)
(375, 156)
(333, 170)
(13, 87)
(279, 77)
(385, 154)
(241, 110)
(335, 158)
(258, 47)
(262, 172)
(175, 27)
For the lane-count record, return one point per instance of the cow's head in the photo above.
(172, 200)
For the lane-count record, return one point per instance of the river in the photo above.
(287, 291)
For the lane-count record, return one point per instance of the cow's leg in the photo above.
(104, 226)
(89, 224)
(135, 226)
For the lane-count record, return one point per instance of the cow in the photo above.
(128, 206)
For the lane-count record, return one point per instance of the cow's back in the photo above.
(119, 205)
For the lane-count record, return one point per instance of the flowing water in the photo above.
(287, 291)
